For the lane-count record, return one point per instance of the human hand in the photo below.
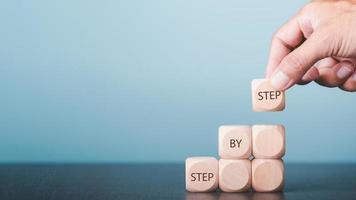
(317, 44)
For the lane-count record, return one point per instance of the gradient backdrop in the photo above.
(137, 81)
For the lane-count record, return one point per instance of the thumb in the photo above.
(293, 66)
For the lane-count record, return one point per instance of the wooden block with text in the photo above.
(235, 142)
(265, 98)
(201, 174)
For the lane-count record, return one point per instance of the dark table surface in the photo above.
(160, 181)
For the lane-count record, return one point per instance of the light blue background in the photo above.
(136, 81)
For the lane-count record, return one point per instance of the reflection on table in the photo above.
(234, 196)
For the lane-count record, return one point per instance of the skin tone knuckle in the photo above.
(275, 37)
(347, 38)
(295, 63)
(307, 8)
(325, 38)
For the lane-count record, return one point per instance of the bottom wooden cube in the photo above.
(234, 175)
(267, 175)
(201, 174)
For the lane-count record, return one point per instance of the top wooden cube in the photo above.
(265, 98)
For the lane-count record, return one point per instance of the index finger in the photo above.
(287, 38)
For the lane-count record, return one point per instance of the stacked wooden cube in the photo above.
(250, 156)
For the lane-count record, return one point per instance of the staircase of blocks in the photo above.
(250, 156)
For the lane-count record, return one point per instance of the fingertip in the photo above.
(289, 85)
(344, 70)
(311, 75)
(280, 80)
(339, 75)
(350, 84)
(327, 78)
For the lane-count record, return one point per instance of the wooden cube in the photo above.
(235, 142)
(268, 141)
(265, 98)
(267, 175)
(201, 174)
(234, 175)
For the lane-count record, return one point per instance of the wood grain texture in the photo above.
(267, 175)
(234, 175)
(268, 141)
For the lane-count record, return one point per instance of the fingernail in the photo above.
(343, 72)
(317, 64)
(306, 78)
(279, 80)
